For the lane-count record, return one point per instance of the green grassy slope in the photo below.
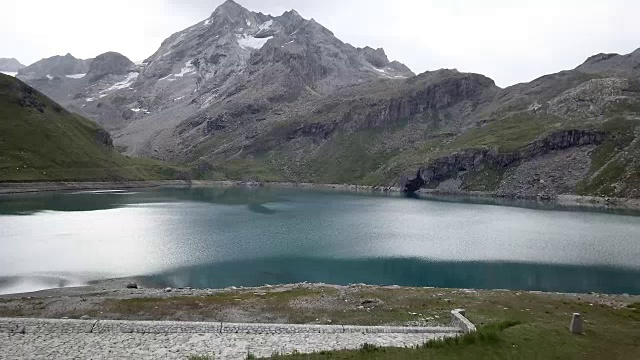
(40, 141)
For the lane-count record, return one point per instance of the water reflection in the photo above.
(28, 204)
(404, 272)
(219, 237)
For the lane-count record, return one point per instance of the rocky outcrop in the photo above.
(592, 98)
(104, 138)
(438, 92)
(612, 64)
(459, 162)
(441, 93)
(557, 172)
(377, 57)
(110, 63)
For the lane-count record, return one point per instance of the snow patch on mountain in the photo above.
(76, 76)
(49, 77)
(187, 69)
(251, 42)
(123, 84)
(267, 25)
(10, 73)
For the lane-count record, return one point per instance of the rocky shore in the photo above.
(571, 201)
(99, 299)
(539, 320)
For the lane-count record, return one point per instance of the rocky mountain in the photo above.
(612, 64)
(257, 97)
(40, 140)
(81, 92)
(10, 65)
(257, 59)
(56, 66)
(110, 63)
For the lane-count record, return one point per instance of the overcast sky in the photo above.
(510, 41)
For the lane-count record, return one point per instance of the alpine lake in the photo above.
(216, 237)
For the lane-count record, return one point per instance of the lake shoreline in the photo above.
(98, 298)
(591, 202)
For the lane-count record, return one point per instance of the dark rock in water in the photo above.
(413, 185)
(132, 285)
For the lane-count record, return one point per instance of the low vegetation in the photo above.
(448, 348)
(40, 141)
(512, 324)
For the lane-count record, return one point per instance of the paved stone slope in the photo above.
(67, 339)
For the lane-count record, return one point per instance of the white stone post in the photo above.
(576, 324)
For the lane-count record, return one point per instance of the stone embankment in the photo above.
(107, 339)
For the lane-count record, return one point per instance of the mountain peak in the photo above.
(230, 8)
(109, 63)
(291, 14)
(612, 64)
(11, 65)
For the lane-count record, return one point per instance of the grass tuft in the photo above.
(486, 334)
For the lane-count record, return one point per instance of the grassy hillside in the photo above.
(40, 141)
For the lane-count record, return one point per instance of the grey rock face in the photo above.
(110, 63)
(10, 65)
(452, 165)
(236, 65)
(612, 64)
(104, 138)
(56, 66)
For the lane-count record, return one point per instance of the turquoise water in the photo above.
(215, 237)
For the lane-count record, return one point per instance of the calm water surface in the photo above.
(214, 237)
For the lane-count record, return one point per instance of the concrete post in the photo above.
(576, 324)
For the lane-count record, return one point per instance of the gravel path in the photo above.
(108, 339)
